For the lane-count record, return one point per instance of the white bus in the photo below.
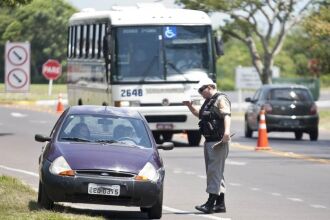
(148, 57)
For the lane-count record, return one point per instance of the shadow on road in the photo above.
(6, 134)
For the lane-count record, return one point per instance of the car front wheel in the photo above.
(43, 200)
(155, 212)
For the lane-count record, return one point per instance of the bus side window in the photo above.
(103, 31)
(82, 41)
(99, 41)
(76, 40)
(68, 46)
(96, 41)
(93, 36)
(87, 41)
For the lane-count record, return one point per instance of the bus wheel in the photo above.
(194, 137)
(105, 104)
(80, 102)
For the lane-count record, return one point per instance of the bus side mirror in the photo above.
(218, 46)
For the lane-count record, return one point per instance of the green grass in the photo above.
(36, 92)
(18, 202)
(324, 119)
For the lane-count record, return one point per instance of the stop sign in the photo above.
(51, 69)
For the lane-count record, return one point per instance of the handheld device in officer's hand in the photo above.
(219, 142)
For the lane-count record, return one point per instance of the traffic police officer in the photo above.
(215, 120)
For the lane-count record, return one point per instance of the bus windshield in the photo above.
(162, 53)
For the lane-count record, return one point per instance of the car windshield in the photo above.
(162, 53)
(122, 131)
(283, 94)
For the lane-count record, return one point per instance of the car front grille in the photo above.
(105, 173)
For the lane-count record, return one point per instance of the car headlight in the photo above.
(148, 172)
(61, 167)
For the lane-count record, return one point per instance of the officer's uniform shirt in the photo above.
(223, 105)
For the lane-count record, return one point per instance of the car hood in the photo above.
(92, 156)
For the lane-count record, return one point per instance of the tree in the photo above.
(257, 22)
(317, 27)
(44, 24)
(14, 3)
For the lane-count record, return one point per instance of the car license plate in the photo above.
(112, 190)
(290, 122)
(164, 126)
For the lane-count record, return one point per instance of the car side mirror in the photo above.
(248, 99)
(219, 46)
(41, 138)
(165, 146)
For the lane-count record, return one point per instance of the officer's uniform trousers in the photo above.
(215, 166)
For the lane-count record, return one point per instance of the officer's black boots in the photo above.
(209, 205)
(220, 203)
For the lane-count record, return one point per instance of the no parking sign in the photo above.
(17, 66)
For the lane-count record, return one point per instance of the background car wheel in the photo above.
(194, 137)
(298, 135)
(167, 136)
(157, 137)
(314, 134)
(43, 200)
(247, 130)
(155, 212)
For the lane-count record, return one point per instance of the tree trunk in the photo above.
(267, 72)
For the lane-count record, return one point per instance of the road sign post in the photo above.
(51, 70)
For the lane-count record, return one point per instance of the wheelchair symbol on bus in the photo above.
(170, 32)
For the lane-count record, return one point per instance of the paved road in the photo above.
(290, 182)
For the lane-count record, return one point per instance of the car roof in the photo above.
(105, 110)
(282, 86)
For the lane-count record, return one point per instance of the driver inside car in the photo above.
(125, 133)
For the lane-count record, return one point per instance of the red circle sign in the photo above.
(52, 69)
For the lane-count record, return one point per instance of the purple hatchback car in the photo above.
(102, 155)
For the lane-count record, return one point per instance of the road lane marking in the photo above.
(193, 214)
(276, 194)
(283, 154)
(318, 206)
(255, 189)
(19, 171)
(18, 115)
(39, 122)
(295, 199)
(235, 163)
(235, 184)
(177, 171)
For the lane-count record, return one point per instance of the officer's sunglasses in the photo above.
(201, 89)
